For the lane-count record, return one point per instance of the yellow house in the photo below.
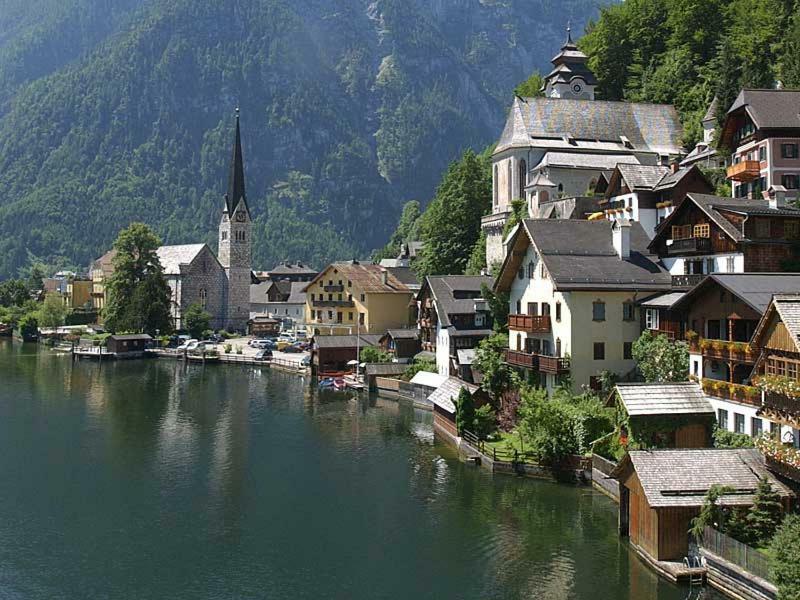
(350, 297)
(79, 293)
(573, 287)
(101, 270)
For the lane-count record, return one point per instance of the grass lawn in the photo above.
(507, 443)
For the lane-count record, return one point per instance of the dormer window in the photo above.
(626, 142)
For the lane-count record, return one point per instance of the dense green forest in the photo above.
(113, 111)
(683, 52)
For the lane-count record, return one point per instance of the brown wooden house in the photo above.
(331, 353)
(403, 344)
(710, 234)
(661, 491)
(444, 407)
(263, 326)
(128, 344)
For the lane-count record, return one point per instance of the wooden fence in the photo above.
(749, 559)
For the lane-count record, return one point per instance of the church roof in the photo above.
(236, 191)
(172, 257)
(651, 128)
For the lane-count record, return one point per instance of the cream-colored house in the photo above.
(572, 290)
(351, 297)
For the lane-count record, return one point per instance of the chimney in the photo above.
(384, 277)
(674, 166)
(621, 238)
(776, 196)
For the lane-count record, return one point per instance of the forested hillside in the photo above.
(120, 110)
(683, 52)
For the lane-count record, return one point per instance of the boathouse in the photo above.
(664, 415)
(128, 344)
(444, 403)
(661, 491)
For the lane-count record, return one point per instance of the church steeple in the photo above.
(236, 174)
(571, 76)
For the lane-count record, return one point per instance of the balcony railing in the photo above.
(781, 403)
(686, 281)
(740, 352)
(521, 359)
(747, 170)
(700, 245)
(553, 364)
(333, 288)
(529, 323)
(670, 334)
(744, 394)
(333, 303)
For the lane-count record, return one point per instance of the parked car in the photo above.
(293, 348)
(282, 345)
(188, 345)
(265, 344)
(306, 361)
(265, 354)
(216, 338)
(287, 337)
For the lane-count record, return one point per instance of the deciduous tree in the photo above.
(785, 562)
(52, 312)
(196, 320)
(660, 360)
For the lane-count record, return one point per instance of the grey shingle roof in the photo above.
(685, 398)
(444, 289)
(771, 109)
(444, 395)
(755, 289)
(380, 369)
(580, 255)
(291, 269)
(345, 341)
(172, 257)
(585, 160)
(297, 294)
(672, 478)
(131, 336)
(642, 176)
(649, 127)
(663, 300)
(404, 334)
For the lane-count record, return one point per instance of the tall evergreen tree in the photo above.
(766, 513)
(452, 223)
(138, 294)
(465, 411)
(790, 63)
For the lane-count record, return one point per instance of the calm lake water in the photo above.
(146, 479)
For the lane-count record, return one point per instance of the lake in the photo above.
(148, 479)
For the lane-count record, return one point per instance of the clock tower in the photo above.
(570, 77)
(235, 241)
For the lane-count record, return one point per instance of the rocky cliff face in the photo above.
(120, 110)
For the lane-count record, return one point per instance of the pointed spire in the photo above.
(236, 174)
(569, 43)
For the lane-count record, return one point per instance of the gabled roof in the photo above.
(448, 391)
(642, 399)
(585, 160)
(770, 109)
(663, 300)
(682, 478)
(754, 289)
(365, 276)
(579, 255)
(291, 269)
(446, 288)
(642, 177)
(787, 308)
(131, 337)
(715, 208)
(297, 294)
(172, 257)
(403, 334)
(651, 128)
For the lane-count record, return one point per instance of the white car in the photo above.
(287, 337)
(188, 345)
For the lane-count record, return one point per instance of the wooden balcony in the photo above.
(553, 365)
(333, 303)
(739, 352)
(692, 245)
(333, 288)
(747, 170)
(744, 394)
(529, 323)
(782, 409)
(516, 358)
(686, 282)
(670, 334)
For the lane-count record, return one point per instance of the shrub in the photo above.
(728, 439)
(227, 348)
(371, 354)
(484, 421)
(417, 366)
(238, 349)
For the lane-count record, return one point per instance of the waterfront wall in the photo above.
(601, 469)
(735, 582)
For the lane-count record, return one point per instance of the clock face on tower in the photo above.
(577, 87)
(240, 216)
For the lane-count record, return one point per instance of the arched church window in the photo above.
(203, 297)
(523, 177)
(560, 187)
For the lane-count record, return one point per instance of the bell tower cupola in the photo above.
(570, 77)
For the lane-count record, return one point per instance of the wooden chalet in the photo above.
(710, 234)
(263, 326)
(120, 345)
(661, 491)
(331, 353)
(664, 415)
(403, 344)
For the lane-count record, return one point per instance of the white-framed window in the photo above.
(651, 318)
(730, 264)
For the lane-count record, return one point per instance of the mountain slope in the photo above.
(118, 110)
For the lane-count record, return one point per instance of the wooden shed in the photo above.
(661, 491)
(263, 326)
(665, 415)
(331, 353)
(444, 408)
(402, 343)
(128, 344)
